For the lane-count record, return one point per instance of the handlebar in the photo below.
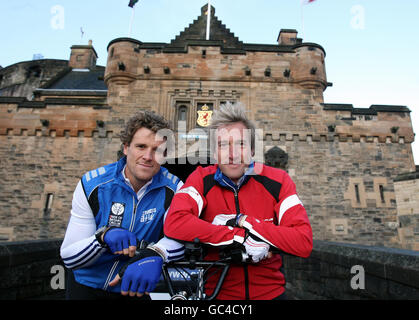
(194, 259)
(225, 266)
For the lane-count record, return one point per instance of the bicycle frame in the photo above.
(203, 267)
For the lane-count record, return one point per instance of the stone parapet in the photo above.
(54, 117)
(25, 269)
(334, 271)
(340, 271)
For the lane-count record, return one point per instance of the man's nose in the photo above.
(148, 154)
(233, 151)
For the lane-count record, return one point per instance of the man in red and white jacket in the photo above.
(240, 202)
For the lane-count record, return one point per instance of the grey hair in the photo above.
(231, 113)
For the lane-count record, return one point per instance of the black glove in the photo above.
(234, 222)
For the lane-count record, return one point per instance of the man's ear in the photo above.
(125, 148)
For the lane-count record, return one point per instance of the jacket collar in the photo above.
(226, 182)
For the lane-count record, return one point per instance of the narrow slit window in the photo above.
(48, 204)
(358, 199)
(382, 193)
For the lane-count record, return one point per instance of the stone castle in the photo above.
(353, 167)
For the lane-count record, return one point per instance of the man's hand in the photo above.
(256, 249)
(140, 275)
(121, 241)
(230, 220)
(222, 219)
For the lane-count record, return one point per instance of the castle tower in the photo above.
(191, 71)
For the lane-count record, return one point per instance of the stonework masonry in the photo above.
(344, 160)
(406, 187)
(20, 79)
(39, 162)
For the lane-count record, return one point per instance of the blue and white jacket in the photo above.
(104, 198)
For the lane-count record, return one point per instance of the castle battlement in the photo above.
(130, 60)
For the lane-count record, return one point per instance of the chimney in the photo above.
(83, 57)
(287, 37)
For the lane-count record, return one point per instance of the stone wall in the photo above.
(407, 197)
(46, 161)
(50, 166)
(329, 173)
(26, 270)
(336, 271)
(21, 79)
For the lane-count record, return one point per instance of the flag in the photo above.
(307, 1)
(132, 3)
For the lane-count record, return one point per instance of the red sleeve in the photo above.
(183, 222)
(293, 233)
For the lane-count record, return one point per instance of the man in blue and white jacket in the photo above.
(116, 206)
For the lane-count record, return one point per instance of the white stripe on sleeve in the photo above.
(288, 203)
(173, 250)
(80, 247)
(194, 194)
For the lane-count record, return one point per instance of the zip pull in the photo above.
(236, 199)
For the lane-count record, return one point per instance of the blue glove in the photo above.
(119, 239)
(141, 273)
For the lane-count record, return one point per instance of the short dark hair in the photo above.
(143, 119)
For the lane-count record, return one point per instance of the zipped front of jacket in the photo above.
(136, 203)
(131, 228)
(236, 189)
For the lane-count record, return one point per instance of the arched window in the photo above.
(182, 117)
(182, 113)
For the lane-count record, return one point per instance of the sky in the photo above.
(372, 46)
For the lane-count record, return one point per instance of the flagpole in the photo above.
(208, 19)
(302, 19)
(131, 22)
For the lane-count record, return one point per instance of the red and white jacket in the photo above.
(274, 212)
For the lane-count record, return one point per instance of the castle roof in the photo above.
(220, 35)
(196, 32)
(78, 79)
